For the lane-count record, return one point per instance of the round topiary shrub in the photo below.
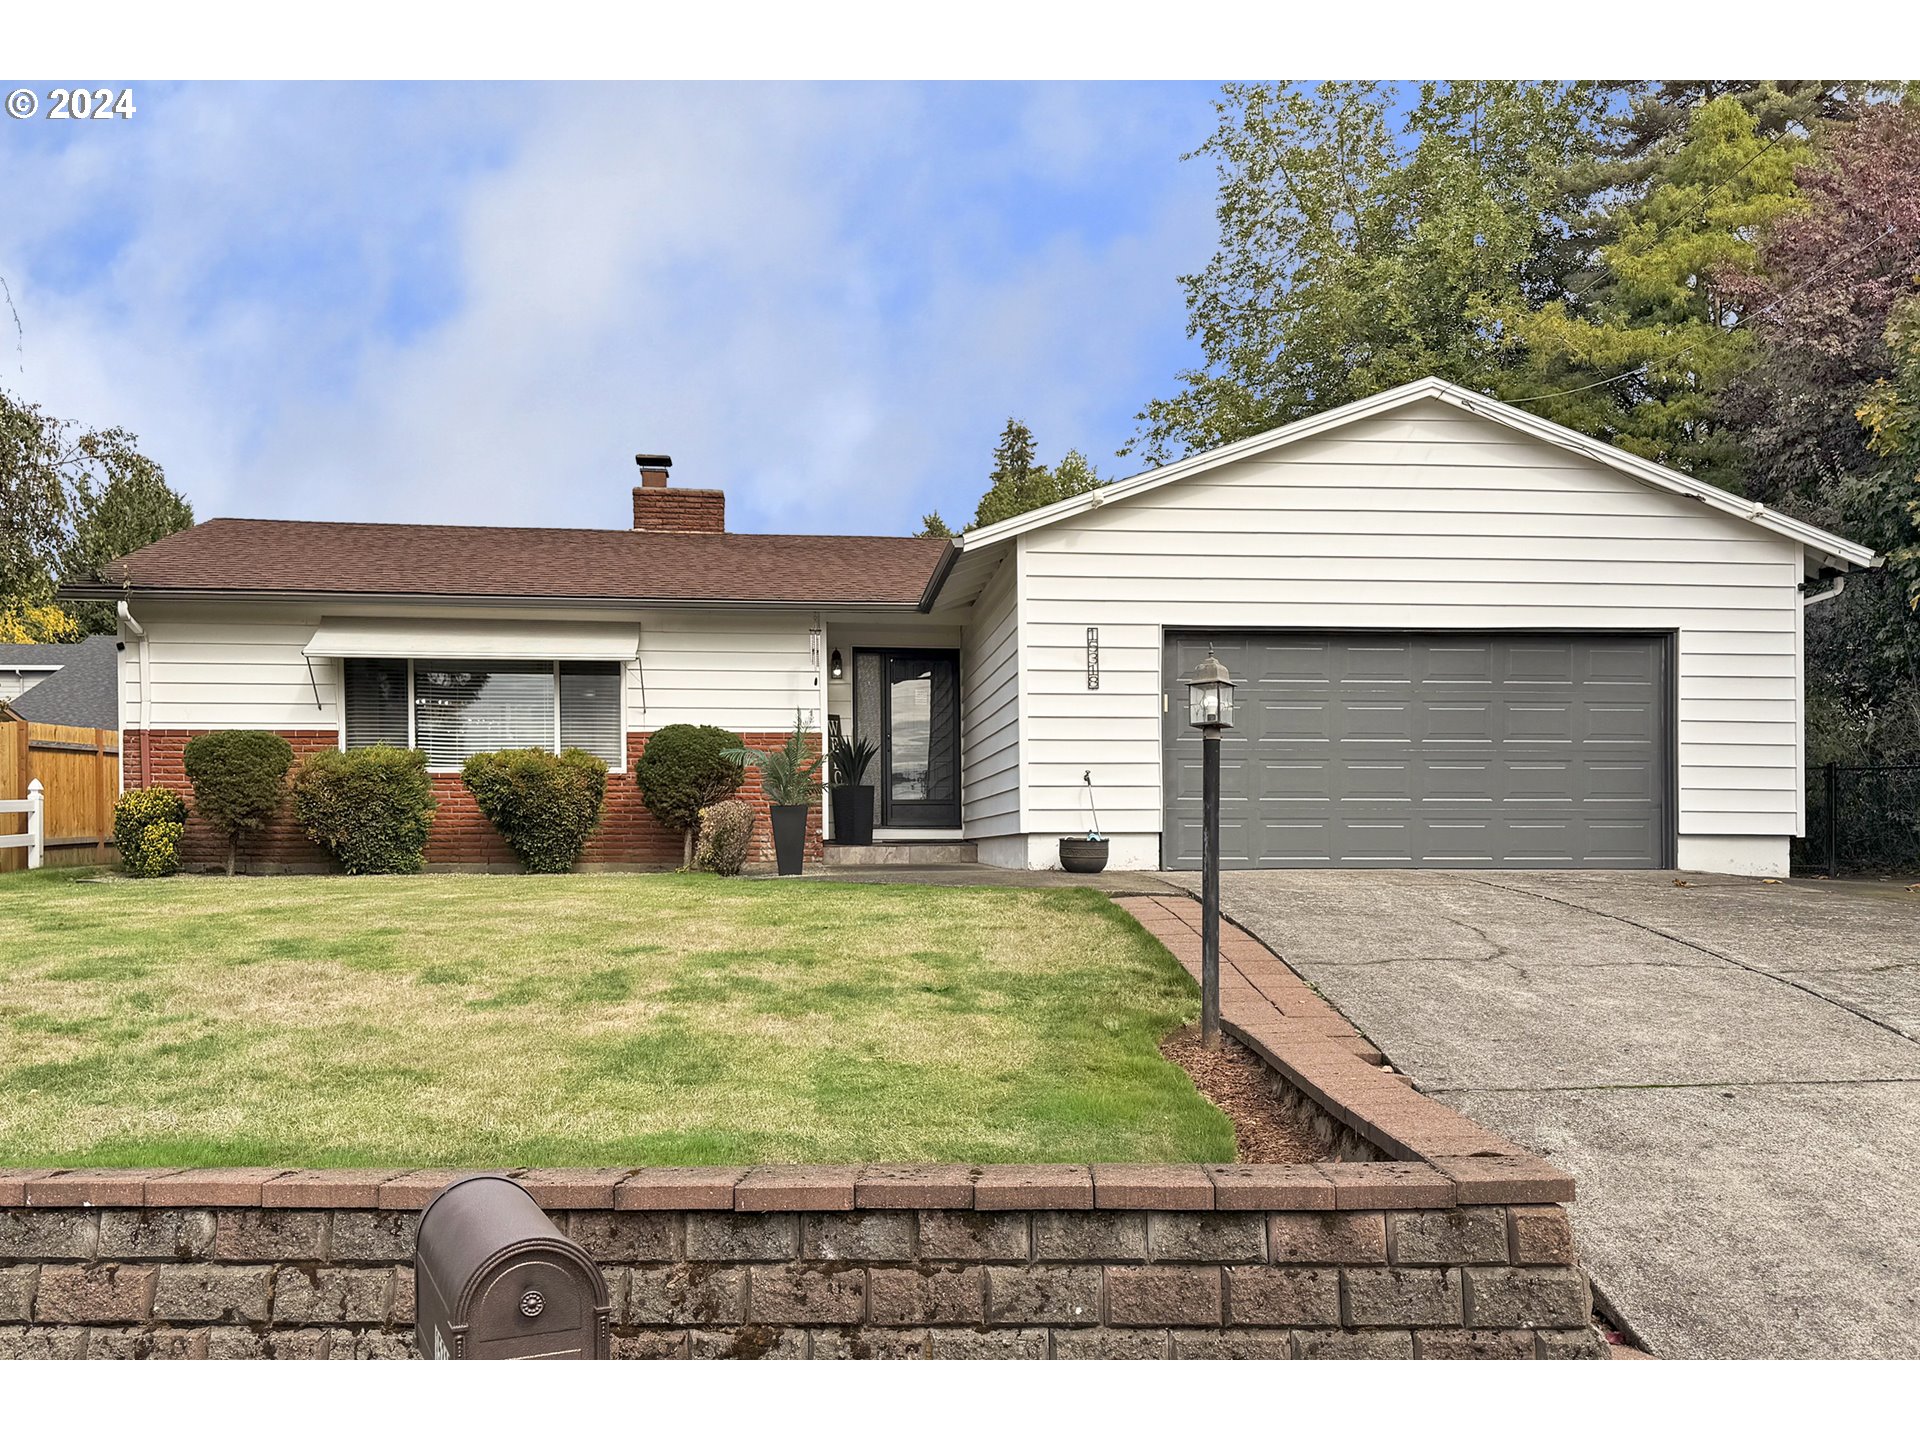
(726, 832)
(147, 826)
(370, 809)
(544, 805)
(239, 779)
(684, 769)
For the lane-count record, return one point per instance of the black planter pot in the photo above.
(1083, 857)
(789, 836)
(852, 814)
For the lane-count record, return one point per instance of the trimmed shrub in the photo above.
(239, 779)
(148, 826)
(370, 809)
(726, 832)
(544, 805)
(684, 769)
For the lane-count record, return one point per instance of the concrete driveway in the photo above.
(1730, 1068)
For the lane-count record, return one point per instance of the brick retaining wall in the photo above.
(1300, 1261)
(462, 837)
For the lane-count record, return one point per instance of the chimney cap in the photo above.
(654, 462)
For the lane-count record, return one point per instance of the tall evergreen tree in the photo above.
(1636, 354)
(1019, 483)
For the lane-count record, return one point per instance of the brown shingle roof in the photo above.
(324, 557)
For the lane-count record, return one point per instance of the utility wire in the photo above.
(1596, 384)
(1701, 208)
(20, 344)
(1694, 213)
(1842, 258)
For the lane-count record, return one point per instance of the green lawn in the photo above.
(484, 1021)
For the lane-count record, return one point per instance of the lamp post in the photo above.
(1210, 710)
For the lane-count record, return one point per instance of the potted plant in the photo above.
(791, 780)
(847, 762)
(1088, 856)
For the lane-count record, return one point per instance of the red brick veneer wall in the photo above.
(280, 844)
(628, 834)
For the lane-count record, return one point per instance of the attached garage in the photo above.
(1464, 636)
(1430, 749)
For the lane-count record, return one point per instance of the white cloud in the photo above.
(824, 299)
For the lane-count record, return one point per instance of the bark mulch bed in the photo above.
(1234, 1078)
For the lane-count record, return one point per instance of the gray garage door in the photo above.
(1428, 750)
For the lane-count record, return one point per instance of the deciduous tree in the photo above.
(1355, 254)
(72, 499)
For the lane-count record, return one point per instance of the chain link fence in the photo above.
(1861, 818)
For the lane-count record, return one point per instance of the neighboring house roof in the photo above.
(85, 691)
(37, 657)
(290, 558)
(1831, 550)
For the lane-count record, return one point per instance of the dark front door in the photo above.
(908, 703)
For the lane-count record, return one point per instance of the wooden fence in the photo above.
(79, 773)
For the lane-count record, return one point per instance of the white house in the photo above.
(1463, 636)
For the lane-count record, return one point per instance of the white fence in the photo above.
(34, 807)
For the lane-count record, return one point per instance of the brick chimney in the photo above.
(656, 507)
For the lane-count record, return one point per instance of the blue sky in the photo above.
(476, 302)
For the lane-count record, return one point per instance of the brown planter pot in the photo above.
(1083, 857)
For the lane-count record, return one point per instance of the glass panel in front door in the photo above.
(910, 703)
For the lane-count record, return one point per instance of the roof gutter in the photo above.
(410, 597)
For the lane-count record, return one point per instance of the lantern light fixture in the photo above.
(1210, 695)
(834, 667)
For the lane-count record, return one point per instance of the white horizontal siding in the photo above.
(742, 670)
(228, 667)
(990, 735)
(1426, 519)
(1471, 526)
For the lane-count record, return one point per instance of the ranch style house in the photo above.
(1463, 637)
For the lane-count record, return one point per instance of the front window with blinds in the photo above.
(455, 708)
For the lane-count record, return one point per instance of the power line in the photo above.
(1700, 209)
(1842, 258)
(21, 343)
(1596, 384)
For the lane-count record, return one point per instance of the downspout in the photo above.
(1807, 602)
(146, 688)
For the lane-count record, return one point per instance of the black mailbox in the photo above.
(494, 1280)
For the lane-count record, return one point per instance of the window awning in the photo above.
(365, 639)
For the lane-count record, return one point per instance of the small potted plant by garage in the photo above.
(1088, 856)
(791, 780)
(847, 762)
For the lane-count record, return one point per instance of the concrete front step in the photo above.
(904, 852)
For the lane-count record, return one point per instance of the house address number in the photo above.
(1093, 657)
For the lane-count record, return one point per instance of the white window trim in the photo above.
(413, 735)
